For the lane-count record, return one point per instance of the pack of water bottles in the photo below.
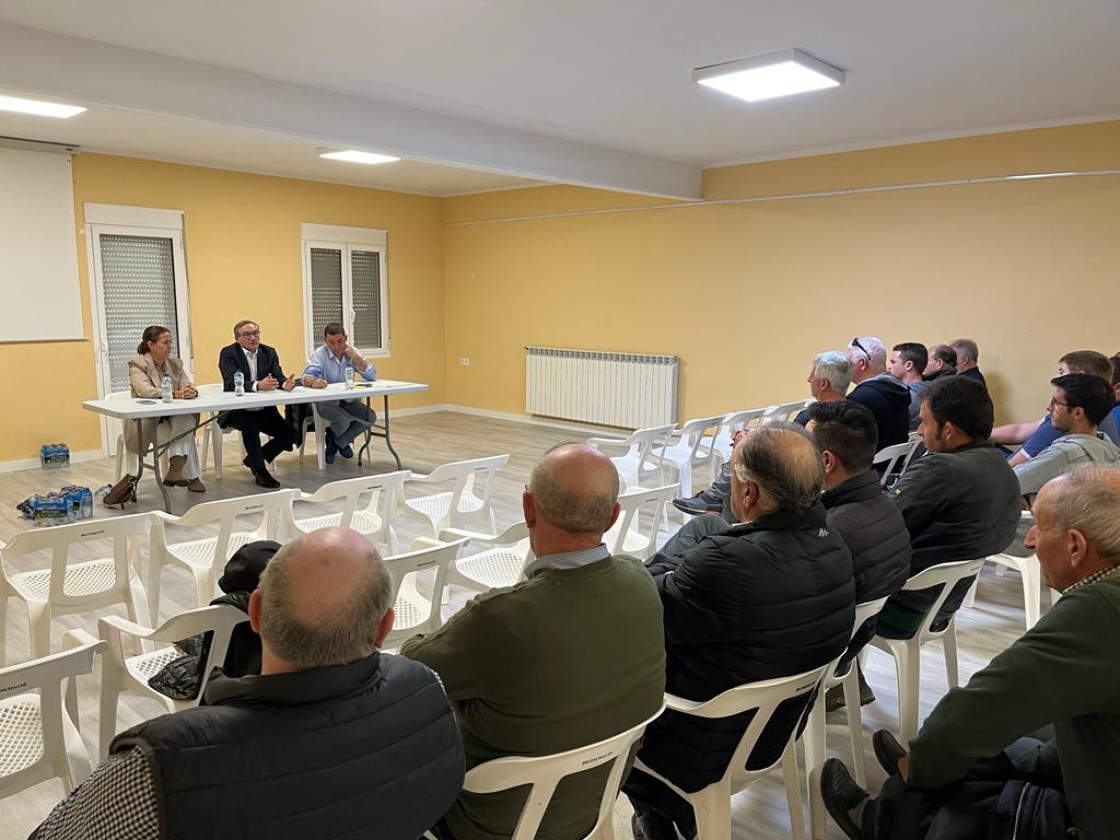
(69, 504)
(54, 456)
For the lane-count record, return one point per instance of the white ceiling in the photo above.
(586, 92)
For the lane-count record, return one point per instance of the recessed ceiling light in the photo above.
(1031, 177)
(354, 156)
(38, 108)
(768, 76)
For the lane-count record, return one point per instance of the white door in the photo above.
(138, 279)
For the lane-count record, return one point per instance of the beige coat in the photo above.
(146, 380)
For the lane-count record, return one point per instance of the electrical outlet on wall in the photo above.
(465, 362)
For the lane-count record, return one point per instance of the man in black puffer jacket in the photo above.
(334, 739)
(886, 396)
(769, 597)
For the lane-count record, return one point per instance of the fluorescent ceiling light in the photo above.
(1040, 175)
(354, 156)
(39, 109)
(768, 76)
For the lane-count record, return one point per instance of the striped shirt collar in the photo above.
(567, 560)
(1099, 574)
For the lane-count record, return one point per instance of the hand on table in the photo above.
(269, 383)
(187, 392)
(318, 383)
(289, 383)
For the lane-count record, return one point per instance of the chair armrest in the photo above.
(679, 704)
(424, 542)
(455, 533)
(609, 446)
(514, 533)
(166, 517)
(77, 637)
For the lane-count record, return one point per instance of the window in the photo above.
(344, 280)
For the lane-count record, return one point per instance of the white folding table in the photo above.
(220, 402)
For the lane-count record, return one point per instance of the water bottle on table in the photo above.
(239, 384)
(349, 377)
(165, 387)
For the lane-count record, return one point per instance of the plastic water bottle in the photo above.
(349, 379)
(165, 386)
(239, 384)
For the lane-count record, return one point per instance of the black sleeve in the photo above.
(227, 365)
(274, 367)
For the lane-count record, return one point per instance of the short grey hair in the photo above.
(1088, 500)
(782, 459)
(348, 634)
(966, 348)
(574, 512)
(873, 348)
(834, 366)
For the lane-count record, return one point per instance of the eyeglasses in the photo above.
(860, 347)
(1054, 402)
(253, 334)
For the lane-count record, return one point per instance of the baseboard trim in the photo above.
(532, 420)
(34, 464)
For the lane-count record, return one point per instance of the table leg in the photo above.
(156, 452)
(370, 434)
(389, 440)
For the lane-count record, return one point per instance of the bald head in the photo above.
(782, 460)
(1087, 500)
(575, 488)
(322, 599)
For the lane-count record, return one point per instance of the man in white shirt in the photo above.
(346, 419)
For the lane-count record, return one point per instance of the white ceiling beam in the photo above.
(91, 73)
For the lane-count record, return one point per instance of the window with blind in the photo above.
(344, 281)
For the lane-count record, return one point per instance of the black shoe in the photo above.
(841, 797)
(346, 451)
(328, 456)
(652, 826)
(264, 479)
(702, 502)
(887, 751)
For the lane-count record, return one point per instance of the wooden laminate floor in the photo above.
(425, 441)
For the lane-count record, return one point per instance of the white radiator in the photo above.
(628, 390)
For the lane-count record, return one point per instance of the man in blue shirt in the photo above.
(346, 419)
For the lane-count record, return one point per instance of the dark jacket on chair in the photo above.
(764, 599)
(889, 400)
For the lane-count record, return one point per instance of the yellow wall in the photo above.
(242, 242)
(745, 294)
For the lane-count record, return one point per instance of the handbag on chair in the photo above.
(122, 493)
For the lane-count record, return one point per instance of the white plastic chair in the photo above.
(1030, 572)
(122, 450)
(415, 612)
(915, 441)
(121, 672)
(212, 432)
(638, 456)
(544, 773)
(629, 535)
(69, 588)
(502, 564)
(37, 741)
(315, 421)
(713, 803)
(691, 446)
(907, 653)
(891, 457)
(205, 557)
(737, 420)
(374, 520)
(465, 501)
(816, 729)
(786, 411)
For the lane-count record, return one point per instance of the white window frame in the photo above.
(346, 240)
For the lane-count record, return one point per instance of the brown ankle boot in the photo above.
(195, 485)
(174, 477)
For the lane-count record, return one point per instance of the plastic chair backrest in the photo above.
(463, 473)
(746, 419)
(915, 441)
(403, 566)
(44, 676)
(545, 772)
(275, 509)
(864, 611)
(124, 531)
(947, 574)
(891, 456)
(786, 411)
(632, 503)
(389, 486)
(765, 696)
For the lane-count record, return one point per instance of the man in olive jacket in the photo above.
(769, 597)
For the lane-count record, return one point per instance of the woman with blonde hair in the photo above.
(153, 361)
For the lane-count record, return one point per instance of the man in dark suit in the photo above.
(260, 365)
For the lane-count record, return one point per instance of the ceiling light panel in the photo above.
(38, 108)
(769, 76)
(355, 156)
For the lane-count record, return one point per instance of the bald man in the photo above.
(569, 656)
(771, 596)
(333, 738)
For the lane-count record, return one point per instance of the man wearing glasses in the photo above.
(259, 364)
(886, 397)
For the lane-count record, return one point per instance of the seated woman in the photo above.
(146, 370)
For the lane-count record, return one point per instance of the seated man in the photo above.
(346, 419)
(960, 501)
(968, 358)
(1079, 404)
(855, 507)
(828, 379)
(260, 366)
(570, 656)
(942, 362)
(1036, 436)
(1061, 672)
(906, 364)
(333, 738)
(770, 597)
(886, 396)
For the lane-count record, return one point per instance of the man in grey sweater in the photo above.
(1061, 672)
(1079, 404)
